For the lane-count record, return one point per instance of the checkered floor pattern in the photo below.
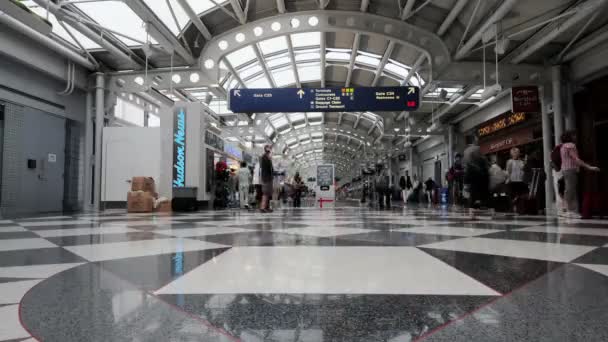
(410, 253)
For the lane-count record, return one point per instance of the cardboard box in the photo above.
(140, 202)
(164, 206)
(145, 184)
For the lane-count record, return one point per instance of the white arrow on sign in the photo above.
(301, 93)
(237, 92)
(411, 90)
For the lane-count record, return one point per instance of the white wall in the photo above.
(128, 152)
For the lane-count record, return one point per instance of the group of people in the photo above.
(252, 185)
(482, 178)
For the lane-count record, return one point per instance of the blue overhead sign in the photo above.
(359, 99)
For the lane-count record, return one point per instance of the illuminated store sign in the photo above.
(179, 148)
(506, 121)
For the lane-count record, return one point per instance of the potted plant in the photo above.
(17, 10)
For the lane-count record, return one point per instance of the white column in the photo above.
(547, 147)
(88, 151)
(450, 146)
(99, 123)
(558, 115)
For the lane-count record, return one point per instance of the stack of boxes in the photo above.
(143, 197)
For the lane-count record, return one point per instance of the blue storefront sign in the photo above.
(179, 148)
(358, 99)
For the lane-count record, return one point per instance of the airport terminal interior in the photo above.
(303, 171)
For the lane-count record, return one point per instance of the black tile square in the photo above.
(17, 235)
(598, 256)
(264, 238)
(503, 274)
(63, 226)
(394, 238)
(104, 238)
(42, 256)
(571, 239)
(152, 272)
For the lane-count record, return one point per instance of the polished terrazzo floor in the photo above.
(310, 275)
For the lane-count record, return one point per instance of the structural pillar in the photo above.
(547, 148)
(558, 115)
(99, 123)
(450, 146)
(88, 152)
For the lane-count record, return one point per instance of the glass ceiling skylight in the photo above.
(117, 16)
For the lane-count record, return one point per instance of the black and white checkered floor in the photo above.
(341, 274)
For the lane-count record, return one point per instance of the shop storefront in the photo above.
(522, 130)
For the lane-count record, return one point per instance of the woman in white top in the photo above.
(515, 173)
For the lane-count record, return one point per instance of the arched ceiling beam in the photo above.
(331, 21)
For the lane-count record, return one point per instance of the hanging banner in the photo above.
(525, 99)
(179, 147)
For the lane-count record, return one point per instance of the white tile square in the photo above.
(514, 248)
(13, 291)
(323, 231)
(567, 230)
(84, 231)
(190, 232)
(130, 249)
(11, 328)
(28, 243)
(450, 231)
(510, 223)
(323, 270)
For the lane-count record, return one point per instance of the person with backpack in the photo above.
(569, 163)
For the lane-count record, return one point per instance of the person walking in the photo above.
(515, 175)
(297, 188)
(476, 175)
(498, 176)
(570, 164)
(267, 177)
(382, 187)
(244, 176)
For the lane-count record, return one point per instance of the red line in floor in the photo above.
(198, 318)
(470, 313)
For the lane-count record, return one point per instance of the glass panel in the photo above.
(200, 6)
(241, 56)
(278, 60)
(338, 56)
(273, 45)
(59, 30)
(161, 9)
(219, 107)
(306, 39)
(370, 116)
(291, 141)
(259, 82)
(314, 56)
(280, 122)
(283, 77)
(269, 130)
(296, 116)
(302, 125)
(396, 69)
(309, 72)
(367, 60)
(153, 121)
(129, 112)
(250, 70)
(315, 115)
(117, 16)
